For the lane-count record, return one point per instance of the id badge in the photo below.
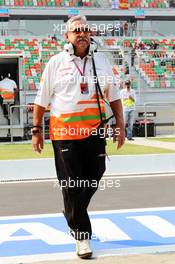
(84, 88)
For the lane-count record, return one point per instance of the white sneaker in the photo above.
(83, 249)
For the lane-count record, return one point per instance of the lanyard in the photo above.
(78, 68)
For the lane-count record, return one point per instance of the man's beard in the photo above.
(82, 39)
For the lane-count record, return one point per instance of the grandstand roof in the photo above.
(91, 13)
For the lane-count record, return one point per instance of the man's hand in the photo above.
(131, 98)
(119, 136)
(119, 129)
(38, 142)
(37, 137)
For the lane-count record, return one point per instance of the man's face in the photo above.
(79, 35)
(128, 84)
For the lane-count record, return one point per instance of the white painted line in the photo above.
(111, 232)
(143, 176)
(40, 231)
(155, 223)
(146, 173)
(136, 210)
(110, 156)
(28, 181)
(106, 177)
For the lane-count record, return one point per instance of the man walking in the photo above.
(128, 97)
(77, 111)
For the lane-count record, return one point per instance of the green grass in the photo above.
(163, 139)
(24, 151)
(133, 149)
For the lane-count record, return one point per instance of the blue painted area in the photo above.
(21, 232)
(140, 235)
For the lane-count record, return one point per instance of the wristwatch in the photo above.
(36, 130)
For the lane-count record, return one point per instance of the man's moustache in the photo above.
(82, 39)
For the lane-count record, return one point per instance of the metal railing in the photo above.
(21, 124)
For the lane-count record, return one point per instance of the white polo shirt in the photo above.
(8, 84)
(69, 107)
(7, 87)
(128, 104)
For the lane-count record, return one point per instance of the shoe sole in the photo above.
(85, 256)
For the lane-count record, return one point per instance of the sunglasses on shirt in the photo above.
(79, 30)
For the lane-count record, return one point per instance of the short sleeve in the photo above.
(113, 83)
(45, 89)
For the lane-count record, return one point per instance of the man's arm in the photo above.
(133, 96)
(119, 132)
(37, 139)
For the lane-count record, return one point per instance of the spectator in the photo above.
(120, 58)
(54, 38)
(125, 29)
(155, 45)
(119, 30)
(80, 3)
(133, 29)
(128, 97)
(133, 54)
(126, 68)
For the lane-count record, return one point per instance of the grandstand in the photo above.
(154, 64)
(152, 73)
(148, 3)
(49, 3)
(83, 3)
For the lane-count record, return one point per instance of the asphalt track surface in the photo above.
(44, 197)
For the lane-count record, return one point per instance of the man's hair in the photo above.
(73, 19)
(127, 82)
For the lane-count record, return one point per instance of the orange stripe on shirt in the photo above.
(90, 102)
(87, 111)
(78, 130)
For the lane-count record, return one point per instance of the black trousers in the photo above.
(4, 107)
(80, 165)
